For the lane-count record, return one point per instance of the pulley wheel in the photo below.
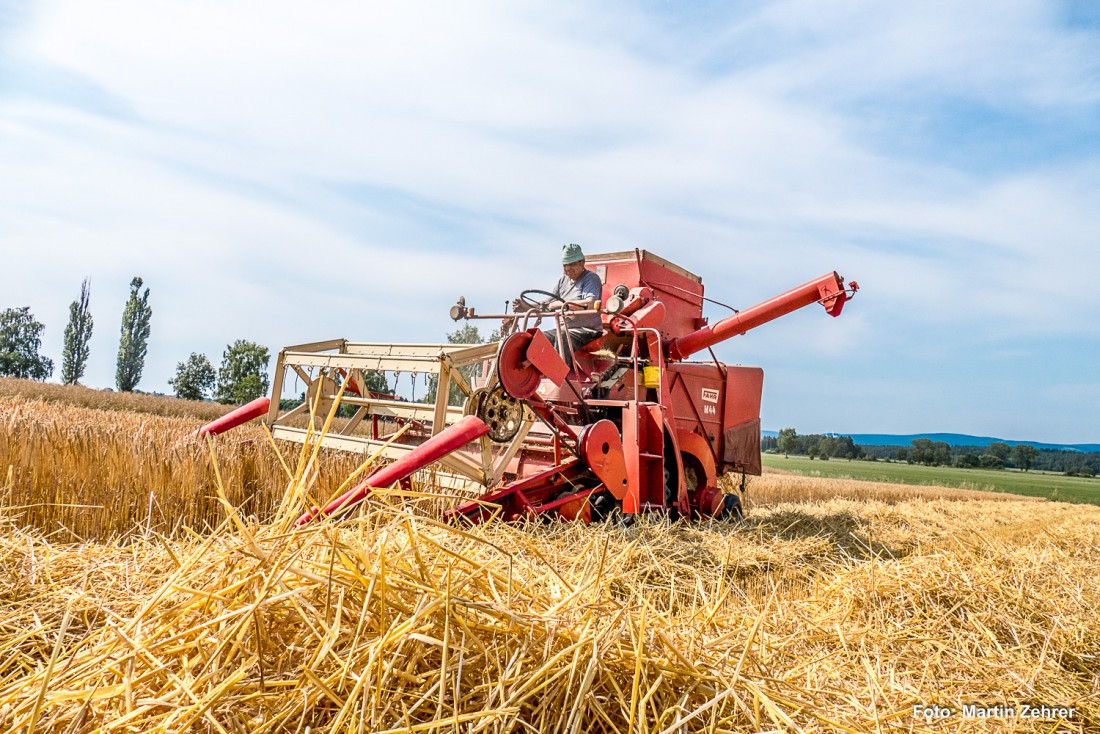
(502, 413)
(472, 406)
(519, 377)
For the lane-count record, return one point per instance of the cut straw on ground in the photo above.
(841, 611)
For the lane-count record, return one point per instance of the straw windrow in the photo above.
(394, 622)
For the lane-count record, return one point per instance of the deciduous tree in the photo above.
(74, 356)
(922, 452)
(194, 378)
(788, 441)
(1024, 456)
(989, 461)
(20, 340)
(243, 373)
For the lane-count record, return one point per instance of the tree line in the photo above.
(997, 455)
(241, 377)
(815, 446)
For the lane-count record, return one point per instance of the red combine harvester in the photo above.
(631, 427)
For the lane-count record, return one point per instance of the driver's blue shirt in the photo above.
(587, 286)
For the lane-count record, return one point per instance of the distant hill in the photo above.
(952, 439)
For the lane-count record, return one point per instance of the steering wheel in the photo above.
(523, 297)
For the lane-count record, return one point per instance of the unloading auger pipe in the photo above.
(829, 290)
(449, 439)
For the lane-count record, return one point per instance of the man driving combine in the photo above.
(578, 290)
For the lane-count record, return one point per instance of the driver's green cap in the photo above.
(571, 253)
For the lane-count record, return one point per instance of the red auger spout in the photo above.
(828, 290)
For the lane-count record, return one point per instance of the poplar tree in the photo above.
(135, 337)
(74, 356)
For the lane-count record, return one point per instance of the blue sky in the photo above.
(286, 173)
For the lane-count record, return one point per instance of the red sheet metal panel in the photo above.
(546, 359)
(601, 447)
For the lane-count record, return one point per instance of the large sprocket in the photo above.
(502, 413)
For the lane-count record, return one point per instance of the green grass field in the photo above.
(1033, 484)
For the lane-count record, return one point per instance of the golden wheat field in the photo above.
(141, 590)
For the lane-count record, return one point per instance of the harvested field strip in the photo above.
(838, 616)
(1033, 483)
(776, 487)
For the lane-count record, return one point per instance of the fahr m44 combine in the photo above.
(627, 425)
